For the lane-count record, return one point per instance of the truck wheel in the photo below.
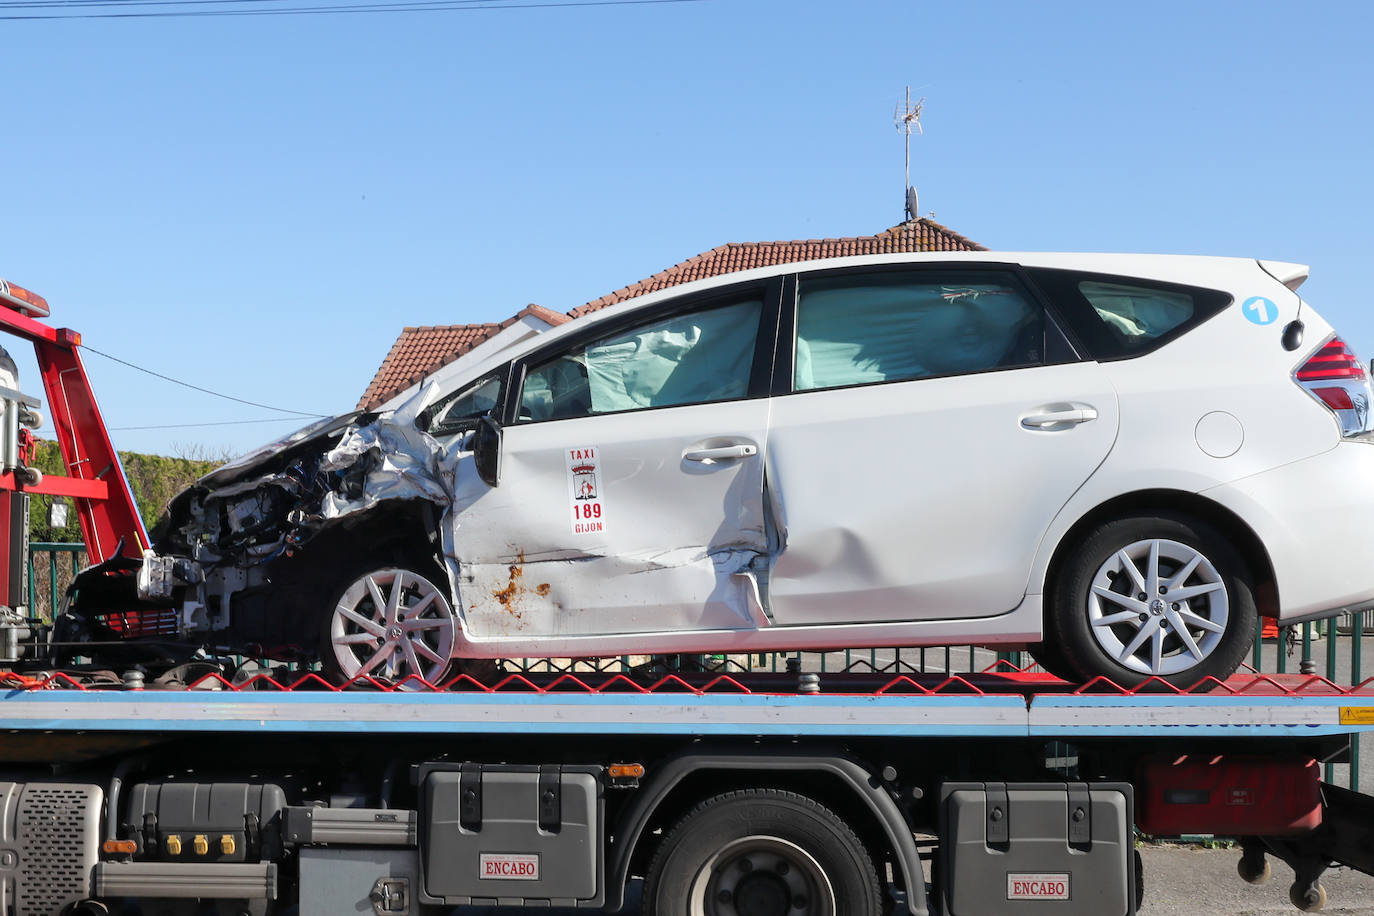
(388, 624)
(761, 852)
(1153, 596)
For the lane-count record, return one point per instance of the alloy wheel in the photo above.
(391, 624)
(1158, 607)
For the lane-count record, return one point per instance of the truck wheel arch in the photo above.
(860, 782)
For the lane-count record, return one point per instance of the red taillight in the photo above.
(1335, 398)
(1333, 361)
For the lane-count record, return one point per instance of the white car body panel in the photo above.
(925, 499)
(1302, 513)
(1227, 378)
(901, 513)
(1226, 366)
(670, 551)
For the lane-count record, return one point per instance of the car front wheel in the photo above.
(390, 624)
(1153, 596)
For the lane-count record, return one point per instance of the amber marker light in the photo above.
(28, 303)
(625, 770)
(120, 847)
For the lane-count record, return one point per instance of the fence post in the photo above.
(1331, 636)
(1356, 644)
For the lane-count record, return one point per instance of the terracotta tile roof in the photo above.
(422, 351)
(914, 235)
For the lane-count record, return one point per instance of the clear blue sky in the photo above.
(259, 204)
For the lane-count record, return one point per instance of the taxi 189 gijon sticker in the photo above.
(586, 498)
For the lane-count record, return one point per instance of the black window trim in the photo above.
(768, 290)
(1056, 338)
(426, 416)
(1056, 283)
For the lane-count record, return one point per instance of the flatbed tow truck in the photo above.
(791, 794)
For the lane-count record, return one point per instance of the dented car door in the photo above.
(937, 421)
(630, 497)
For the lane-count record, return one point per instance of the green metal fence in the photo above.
(49, 575)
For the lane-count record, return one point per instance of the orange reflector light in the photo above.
(120, 847)
(68, 338)
(625, 770)
(28, 303)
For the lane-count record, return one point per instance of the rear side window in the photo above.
(902, 325)
(1118, 317)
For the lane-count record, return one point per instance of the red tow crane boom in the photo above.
(94, 480)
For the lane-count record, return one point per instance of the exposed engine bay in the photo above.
(237, 553)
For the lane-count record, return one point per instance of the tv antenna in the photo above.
(908, 120)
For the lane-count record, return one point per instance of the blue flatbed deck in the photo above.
(998, 705)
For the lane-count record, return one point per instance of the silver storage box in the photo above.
(511, 835)
(1034, 848)
(345, 881)
(49, 838)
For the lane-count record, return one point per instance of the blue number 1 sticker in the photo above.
(1260, 310)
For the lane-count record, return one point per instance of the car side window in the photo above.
(1120, 317)
(458, 412)
(889, 327)
(690, 358)
(1137, 311)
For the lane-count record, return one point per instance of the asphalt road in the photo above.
(1189, 881)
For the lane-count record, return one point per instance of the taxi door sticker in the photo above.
(586, 498)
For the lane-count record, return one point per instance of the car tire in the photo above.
(1166, 596)
(1051, 660)
(762, 851)
(369, 629)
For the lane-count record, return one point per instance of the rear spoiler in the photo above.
(1290, 275)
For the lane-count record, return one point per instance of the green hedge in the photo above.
(155, 479)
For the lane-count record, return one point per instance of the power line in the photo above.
(400, 6)
(189, 425)
(267, 4)
(227, 397)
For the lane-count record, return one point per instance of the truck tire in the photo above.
(762, 852)
(1165, 596)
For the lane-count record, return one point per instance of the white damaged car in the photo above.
(1118, 461)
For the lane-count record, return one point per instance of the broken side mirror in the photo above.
(486, 450)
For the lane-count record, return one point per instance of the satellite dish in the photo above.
(912, 207)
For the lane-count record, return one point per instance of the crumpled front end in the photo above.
(243, 534)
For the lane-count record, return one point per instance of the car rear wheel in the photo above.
(390, 624)
(1153, 596)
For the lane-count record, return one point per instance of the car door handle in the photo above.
(1060, 417)
(721, 453)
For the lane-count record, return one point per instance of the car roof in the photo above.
(1194, 269)
(1177, 267)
